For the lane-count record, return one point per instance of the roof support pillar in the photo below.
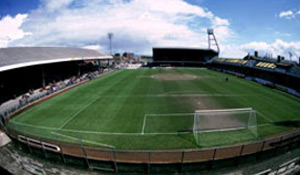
(43, 77)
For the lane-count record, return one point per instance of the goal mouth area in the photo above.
(225, 123)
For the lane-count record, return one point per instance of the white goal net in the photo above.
(222, 120)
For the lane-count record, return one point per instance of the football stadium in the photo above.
(178, 108)
(189, 110)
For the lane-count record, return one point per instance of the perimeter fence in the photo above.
(73, 151)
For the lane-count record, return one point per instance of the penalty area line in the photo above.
(97, 132)
(112, 133)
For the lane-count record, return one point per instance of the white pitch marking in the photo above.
(108, 133)
(75, 114)
(176, 95)
(183, 92)
(170, 114)
(33, 126)
(157, 115)
(124, 133)
(87, 141)
(220, 130)
(232, 129)
(144, 123)
(99, 133)
(200, 95)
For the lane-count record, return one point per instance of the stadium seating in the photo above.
(233, 61)
(266, 65)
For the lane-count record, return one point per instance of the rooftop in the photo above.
(16, 57)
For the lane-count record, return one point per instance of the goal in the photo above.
(224, 123)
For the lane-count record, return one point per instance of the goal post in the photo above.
(223, 122)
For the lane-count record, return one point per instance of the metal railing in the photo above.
(179, 157)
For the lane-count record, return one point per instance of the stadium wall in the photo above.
(149, 161)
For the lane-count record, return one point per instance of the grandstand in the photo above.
(25, 68)
(276, 73)
(182, 56)
(187, 57)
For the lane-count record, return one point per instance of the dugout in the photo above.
(182, 56)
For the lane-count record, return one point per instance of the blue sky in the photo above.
(257, 19)
(241, 26)
(14, 7)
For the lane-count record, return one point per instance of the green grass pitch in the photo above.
(153, 109)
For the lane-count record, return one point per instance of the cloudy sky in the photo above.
(241, 26)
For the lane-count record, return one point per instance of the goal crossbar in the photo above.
(224, 110)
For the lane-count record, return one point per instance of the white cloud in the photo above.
(278, 47)
(10, 29)
(286, 14)
(280, 34)
(52, 5)
(260, 46)
(232, 51)
(220, 22)
(137, 25)
(172, 7)
(93, 47)
(289, 14)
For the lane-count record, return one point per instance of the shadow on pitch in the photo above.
(288, 123)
